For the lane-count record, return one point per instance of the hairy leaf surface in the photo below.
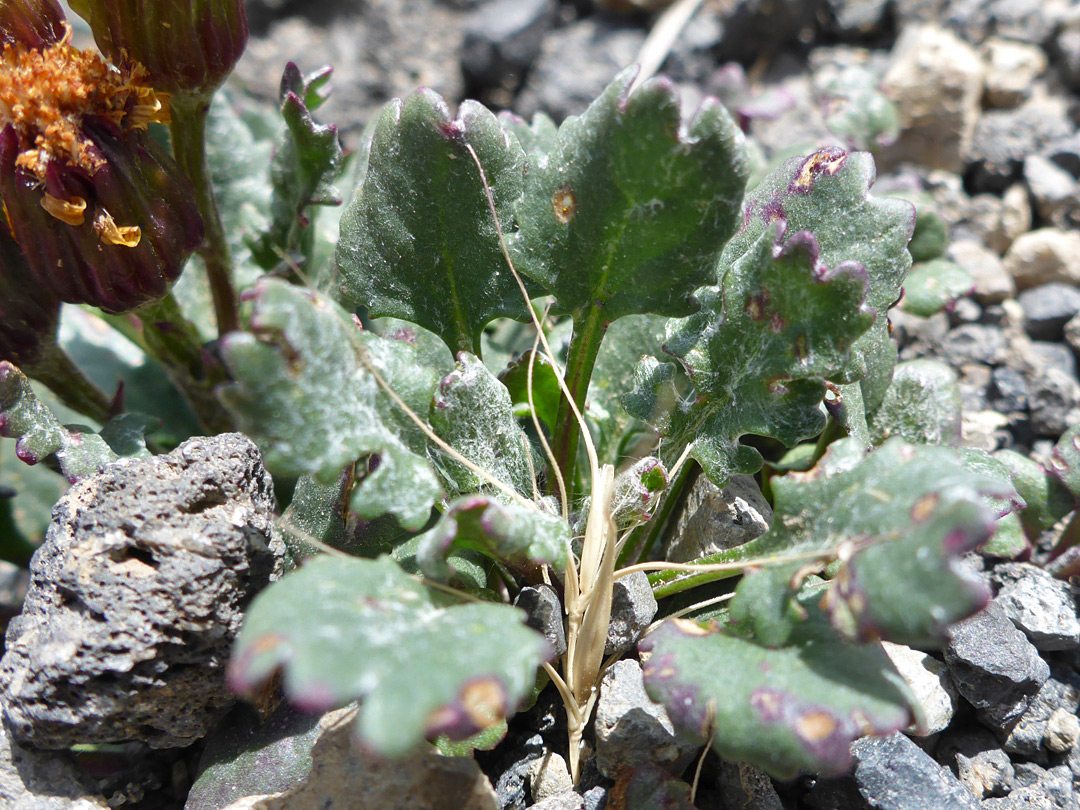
(828, 194)
(307, 161)
(899, 519)
(627, 211)
(417, 240)
(933, 285)
(472, 412)
(24, 417)
(422, 663)
(787, 710)
(627, 341)
(758, 354)
(922, 405)
(303, 394)
(522, 538)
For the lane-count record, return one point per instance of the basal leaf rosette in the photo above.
(101, 213)
(187, 46)
(828, 194)
(626, 209)
(421, 662)
(758, 353)
(305, 394)
(417, 240)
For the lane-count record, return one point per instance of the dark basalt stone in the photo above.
(136, 596)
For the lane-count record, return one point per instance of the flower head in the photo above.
(187, 46)
(101, 212)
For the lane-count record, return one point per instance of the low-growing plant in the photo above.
(504, 367)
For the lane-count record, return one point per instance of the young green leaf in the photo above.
(626, 342)
(1065, 460)
(545, 388)
(303, 393)
(933, 285)
(307, 161)
(758, 353)
(857, 110)
(630, 208)
(537, 137)
(1047, 499)
(417, 240)
(1009, 539)
(422, 663)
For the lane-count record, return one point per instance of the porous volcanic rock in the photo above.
(136, 595)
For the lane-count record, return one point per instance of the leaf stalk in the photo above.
(188, 130)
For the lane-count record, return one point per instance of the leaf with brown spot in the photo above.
(627, 211)
(302, 391)
(899, 519)
(788, 710)
(827, 194)
(417, 240)
(422, 663)
(758, 354)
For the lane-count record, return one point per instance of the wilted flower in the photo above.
(33, 23)
(186, 46)
(100, 212)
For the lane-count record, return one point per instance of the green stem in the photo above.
(580, 359)
(833, 431)
(637, 548)
(174, 341)
(57, 371)
(669, 583)
(188, 129)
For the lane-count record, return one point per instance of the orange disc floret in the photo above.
(47, 93)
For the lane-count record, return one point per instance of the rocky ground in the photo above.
(987, 94)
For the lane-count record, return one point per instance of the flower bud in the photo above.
(186, 46)
(28, 313)
(100, 212)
